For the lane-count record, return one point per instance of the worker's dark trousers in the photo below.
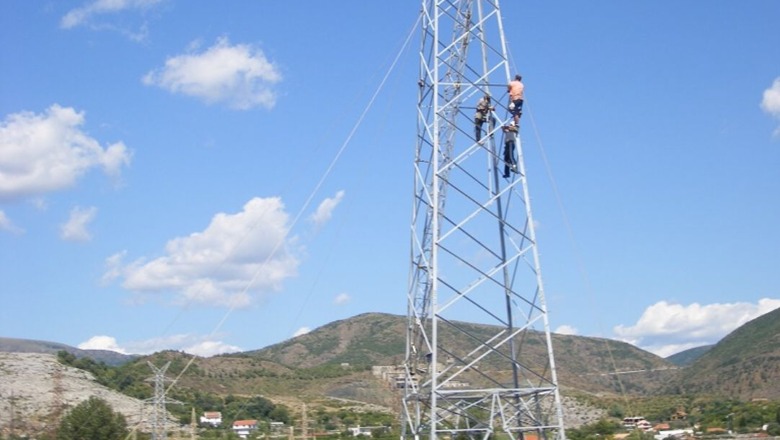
(509, 157)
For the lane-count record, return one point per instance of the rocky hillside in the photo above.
(586, 364)
(745, 364)
(35, 384)
(331, 367)
(35, 387)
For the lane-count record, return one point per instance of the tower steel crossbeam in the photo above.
(479, 359)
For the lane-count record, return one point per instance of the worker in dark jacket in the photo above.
(483, 113)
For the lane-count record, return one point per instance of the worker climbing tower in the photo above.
(479, 359)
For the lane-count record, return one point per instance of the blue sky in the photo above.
(191, 176)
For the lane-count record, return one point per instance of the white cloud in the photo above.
(239, 75)
(7, 225)
(237, 254)
(47, 152)
(113, 267)
(101, 343)
(153, 345)
(301, 331)
(192, 344)
(341, 298)
(75, 229)
(771, 102)
(325, 211)
(666, 327)
(210, 348)
(87, 14)
(566, 330)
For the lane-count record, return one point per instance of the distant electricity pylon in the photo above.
(159, 416)
(479, 359)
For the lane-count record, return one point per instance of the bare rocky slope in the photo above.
(34, 387)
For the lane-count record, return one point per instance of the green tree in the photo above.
(93, 419)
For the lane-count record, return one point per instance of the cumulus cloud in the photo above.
(771, 102)
(40, 153)
(210, 348)
(101, 342)
(301, 331)
(192, 344)
(93, 14)
(666, 328)
(237, 254)
(238, 75)
(75, 229)
(7, 225)
(341, 298)
(566, 330)
(325, 210)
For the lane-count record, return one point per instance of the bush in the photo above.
(93, 419)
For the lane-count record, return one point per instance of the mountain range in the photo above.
(335, 360)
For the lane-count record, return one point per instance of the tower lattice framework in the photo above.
(479, 359)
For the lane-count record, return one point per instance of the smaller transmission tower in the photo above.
(159, 415)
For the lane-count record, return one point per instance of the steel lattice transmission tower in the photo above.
(159, 415)
(479, 359)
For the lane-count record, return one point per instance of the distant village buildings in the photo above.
(637, 423)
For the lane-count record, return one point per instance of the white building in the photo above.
(213, 418)
(365, 430)
(243, 428)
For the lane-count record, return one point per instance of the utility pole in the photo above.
(58, 399)
(479, 358)
(304, 424)
(193, 425)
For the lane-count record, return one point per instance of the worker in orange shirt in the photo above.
(516, 89)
